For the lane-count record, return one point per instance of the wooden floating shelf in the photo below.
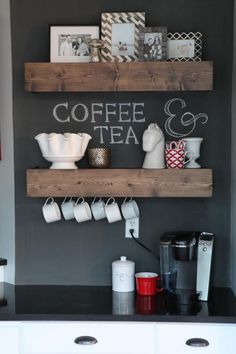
(119, 183)
(135, 76)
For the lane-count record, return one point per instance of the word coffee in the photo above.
(112, 121)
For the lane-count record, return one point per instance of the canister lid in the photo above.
(123, 261)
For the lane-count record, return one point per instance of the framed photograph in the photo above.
(184, 46)
(71, 43)
(153, 43)
(120, 34)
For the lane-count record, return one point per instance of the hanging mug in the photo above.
(98, 209)
(112, 210)
(67, 208)
(82, 211)
(51, 211)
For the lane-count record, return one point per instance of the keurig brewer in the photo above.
(186, 264)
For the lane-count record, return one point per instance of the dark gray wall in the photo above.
(69, 253)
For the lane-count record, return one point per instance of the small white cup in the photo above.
(82, 211)
(51, 211)
(112, 211)
(67, 208)
(98, 209)
(129, 209)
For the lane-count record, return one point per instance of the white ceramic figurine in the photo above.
(154, 146)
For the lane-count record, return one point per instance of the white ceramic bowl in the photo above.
(63, 150)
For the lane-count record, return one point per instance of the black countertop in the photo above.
(99, 303)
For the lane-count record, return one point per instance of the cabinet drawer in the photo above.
(112, 337)
(9, 340)
(172, 338)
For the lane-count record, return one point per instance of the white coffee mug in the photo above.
(112, 210)
(98, 209)
(129, 209)
(67, 208)
(51, 211)
(82, 211)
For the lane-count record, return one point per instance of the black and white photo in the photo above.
(153, 43)
(71, 43)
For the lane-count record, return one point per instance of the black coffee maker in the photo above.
(185, 258)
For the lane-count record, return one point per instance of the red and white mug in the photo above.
(175, 158)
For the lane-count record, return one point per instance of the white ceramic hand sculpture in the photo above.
(154, 146)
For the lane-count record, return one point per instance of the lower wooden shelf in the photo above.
(119, 183)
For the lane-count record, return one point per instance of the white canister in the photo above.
(123, 275)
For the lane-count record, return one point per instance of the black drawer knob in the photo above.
(85, 340)
(197, 342)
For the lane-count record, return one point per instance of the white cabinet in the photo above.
(195, 338)
(9, 338)
(110, 337)
(58, 337)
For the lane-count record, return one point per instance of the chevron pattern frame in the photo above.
(127, 53)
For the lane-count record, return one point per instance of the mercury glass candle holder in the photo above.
(99, 157)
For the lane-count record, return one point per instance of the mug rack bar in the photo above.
(119, 183)
(135, 76)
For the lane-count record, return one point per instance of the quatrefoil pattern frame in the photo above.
(197, 37)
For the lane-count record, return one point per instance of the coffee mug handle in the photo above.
(77, 201)
(50, 198)
(111, 198)
(160, 289)
(64, 200)
(191, 158)
(94, 199)
(130, 198)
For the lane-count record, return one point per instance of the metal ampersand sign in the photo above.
(187, 119)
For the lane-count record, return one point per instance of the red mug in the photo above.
(147, 283)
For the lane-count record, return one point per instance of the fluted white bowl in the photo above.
(63, 150)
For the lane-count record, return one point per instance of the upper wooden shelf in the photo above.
(135, 76)
(119, 183)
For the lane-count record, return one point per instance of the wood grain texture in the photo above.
(135, 76)
(119, 183)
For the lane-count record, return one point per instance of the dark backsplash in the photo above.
(81, 254)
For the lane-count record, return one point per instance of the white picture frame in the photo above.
(70, 44)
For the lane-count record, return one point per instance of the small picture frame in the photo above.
(153, 44)
(71, 43)
(184, 46)
(120, 33)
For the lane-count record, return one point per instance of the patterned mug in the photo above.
(175, 158)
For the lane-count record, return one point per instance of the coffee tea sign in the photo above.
(118, 123)
(113, 122)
